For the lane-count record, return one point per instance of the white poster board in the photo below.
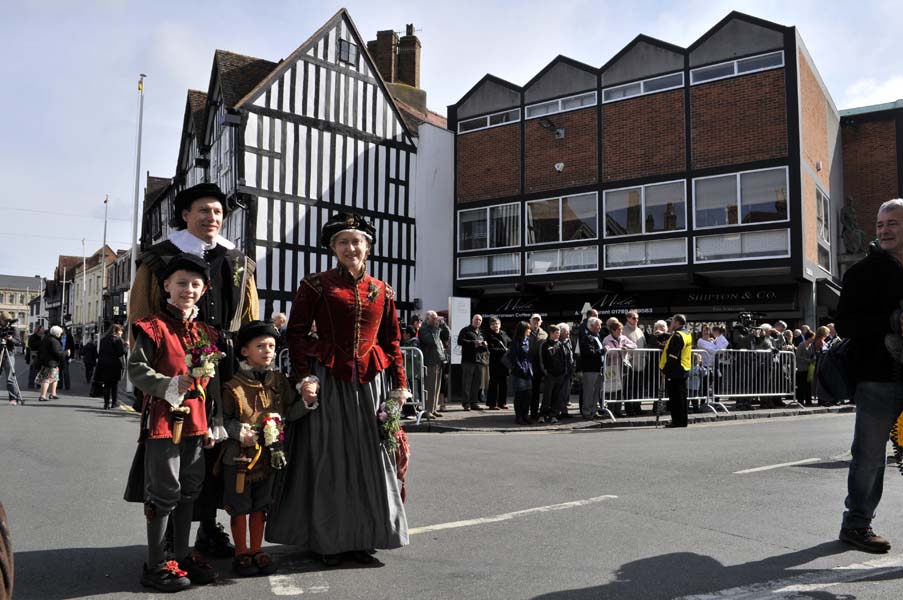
(459, 318)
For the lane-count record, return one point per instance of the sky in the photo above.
(70, 103)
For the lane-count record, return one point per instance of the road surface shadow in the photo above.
(686, 573)
(69, 573)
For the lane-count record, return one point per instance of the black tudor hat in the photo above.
(255, 329)
(187, 262)
(188, 195)
(341, 222)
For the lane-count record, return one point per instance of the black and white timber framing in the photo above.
(322, 134)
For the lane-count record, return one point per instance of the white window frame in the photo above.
(559, 101)
(822, 198)
(559, 251)
(560, 201)
(736, 73)
(685, 261)
(742, 258)
(642, 208)
(486, 216)
(738, 199)
(642, 83)
(488, 118)
(517, 256)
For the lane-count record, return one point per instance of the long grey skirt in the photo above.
(339, 491)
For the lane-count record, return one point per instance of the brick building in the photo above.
(703, 179)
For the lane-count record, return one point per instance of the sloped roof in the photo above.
(18, 282)
(239, 74)
(197, 103)
(414, 117)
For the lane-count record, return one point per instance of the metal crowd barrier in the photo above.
(283, 363)
(749, 374)
(415, 371)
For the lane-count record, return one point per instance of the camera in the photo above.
(7, 328)
(744, 322)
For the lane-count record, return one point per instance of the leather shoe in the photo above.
(864, 539)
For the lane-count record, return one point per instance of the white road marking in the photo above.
(295, 584)
(778, 466)
(509, 516)
(791, 587)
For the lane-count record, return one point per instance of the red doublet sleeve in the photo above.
(300, 346)
(388, 339)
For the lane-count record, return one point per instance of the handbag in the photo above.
(833, 379)
(134, 485)
(508, 360)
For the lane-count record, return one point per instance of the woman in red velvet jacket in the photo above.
(340, 496)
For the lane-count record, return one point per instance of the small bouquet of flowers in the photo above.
(273, 436)
(202, 358)
(389, 417)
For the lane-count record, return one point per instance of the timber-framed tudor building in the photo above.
(290, 143)
(704, 180)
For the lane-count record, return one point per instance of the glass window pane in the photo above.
(504, 264)
(823, 218)
(543, 261)
(543, 222)
(765, 243)
(713, 72)
(473, 266)
(471, 124)
(624, 255)
(663, 83)
(759, 62)
(505, 117)
(623, 212)
(472, 229)
(578, 101)
(622, 91)
(665, 207)
(574, 259)
(663, 252)
(717, 247)
(716, 201)
(578, 218)
(504, 226)
(824, 258)
(542, 109)
(763, 196)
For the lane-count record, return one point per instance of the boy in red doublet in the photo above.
(177, 420)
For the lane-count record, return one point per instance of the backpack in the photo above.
(833, 379)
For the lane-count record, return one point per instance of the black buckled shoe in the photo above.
(165, 577)
(864, 539)
(216, 544)
(197, 570)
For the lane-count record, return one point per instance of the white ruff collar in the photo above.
(186, 242)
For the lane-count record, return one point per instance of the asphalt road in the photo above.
(628, 514)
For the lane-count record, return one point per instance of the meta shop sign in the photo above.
(736, 299)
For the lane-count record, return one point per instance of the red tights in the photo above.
(240, 532)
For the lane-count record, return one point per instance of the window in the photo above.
(561, 105)
(823, 230)
(567, 219)
(11, 299)
(772, 60)
(647, 86)
(496, 265)
(21, 298)
(347, 52)
(494, 120)
(584, 258)
(740, 198)
(744, 245)
(652, 208)
(491, 227)
(646, 254)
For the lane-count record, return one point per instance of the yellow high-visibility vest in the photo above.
(685, 353)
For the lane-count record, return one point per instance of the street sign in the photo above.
(459, 318)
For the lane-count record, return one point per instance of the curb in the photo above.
(579, 424)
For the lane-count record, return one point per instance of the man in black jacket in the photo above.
(553, 363)
(867, 314)
(589, 363)
(675, 364)
(474, 363)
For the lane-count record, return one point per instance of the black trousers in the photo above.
(64, 374)
(497, 394)
(89, 371)
(803, 388)
(111, 392)
(677, 398)
(536, 393)
(522, 404)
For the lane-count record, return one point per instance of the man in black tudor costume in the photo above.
(230, 302)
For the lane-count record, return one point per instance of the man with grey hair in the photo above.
(434, 359)
(868, 314)
(589, 364)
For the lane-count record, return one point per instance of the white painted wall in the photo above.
(434, 210)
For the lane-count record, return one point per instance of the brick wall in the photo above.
(738, 120)
(488, 163)
(810, 219)
(643, 136)
(869, 168)
(814, 123)
(577, 150)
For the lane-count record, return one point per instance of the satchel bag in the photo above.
(508, 359)
(833, 377)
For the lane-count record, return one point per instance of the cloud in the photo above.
(865, 92)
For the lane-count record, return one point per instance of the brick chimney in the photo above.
(384, 50)
(408, 67)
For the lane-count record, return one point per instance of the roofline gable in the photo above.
(560, 59)
(736, 15)
(488, 78)
(642, 38)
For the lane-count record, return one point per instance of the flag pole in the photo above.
(135, 207)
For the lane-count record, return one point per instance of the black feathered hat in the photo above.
(186, 197)
(341, 222)
(255, 329)
(187, 262)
